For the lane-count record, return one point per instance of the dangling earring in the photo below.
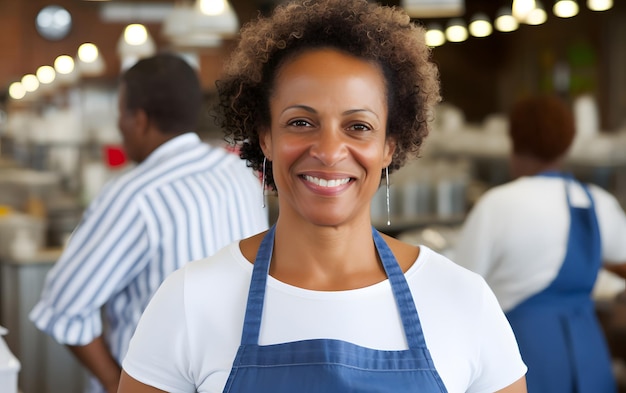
(387, 182)
(263, 184)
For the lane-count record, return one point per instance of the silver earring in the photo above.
(263, 185)
(387, 181)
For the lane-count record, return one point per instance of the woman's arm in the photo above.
(518, 386)
(619, 269)
(130, 385)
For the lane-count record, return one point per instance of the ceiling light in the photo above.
(65, 68)
(565, 8)
(456, 30)
(224, 24)
(211, 7)
(200, 25)
(90, 62)
(134, 44)
(599, 5)
(64, 64)
(30, 83)
(45, 74)
(521, 9)
(135, 34)
(537, 16)
(505, 21)
(434, 35)
(480, 25)
(17, 91)
(88, 52)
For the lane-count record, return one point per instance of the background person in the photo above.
(539, 241)
(184, 201)
(326, 97)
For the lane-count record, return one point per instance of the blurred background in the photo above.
(59, 141)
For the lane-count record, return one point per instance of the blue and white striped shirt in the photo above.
(183, 203)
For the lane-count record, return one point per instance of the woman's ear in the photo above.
(390, 148)
(265, 140)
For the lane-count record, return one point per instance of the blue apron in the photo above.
(325, 365)
(557, 330)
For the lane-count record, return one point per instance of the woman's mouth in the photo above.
(329, 183)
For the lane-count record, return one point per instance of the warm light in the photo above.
(211, 7)
(480, 26)
(435, 36)
(136, 43)
(17, 91)
(30, 82)
(505, 21)
(202, 25)
(599, 5)
(88, 52)
(135, 34)
(90, 63)
(45, 74)
(64, 64)
(456, 31)
(521, 9)
(565, 8)
(537, 16)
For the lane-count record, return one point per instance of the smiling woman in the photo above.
(325, 96)
(327, 141)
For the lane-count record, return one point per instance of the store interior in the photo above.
(59, 141)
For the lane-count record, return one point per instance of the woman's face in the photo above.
(327, 139)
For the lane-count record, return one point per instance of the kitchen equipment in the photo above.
(9, 366)
(21, 235)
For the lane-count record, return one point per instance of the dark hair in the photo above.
(384, 35)
(541, 127)
(167, 88)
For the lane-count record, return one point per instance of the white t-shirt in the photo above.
(516, 235)
(189, 334)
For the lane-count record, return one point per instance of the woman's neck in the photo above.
(325, 258)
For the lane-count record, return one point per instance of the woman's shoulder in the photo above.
(226, 264)
(440, 274)
(424, 261)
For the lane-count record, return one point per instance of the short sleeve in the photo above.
(474, 246)
(612, 222)
(500, 359)
(103, 255)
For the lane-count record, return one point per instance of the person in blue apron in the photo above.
(538, 242)
(326, 98)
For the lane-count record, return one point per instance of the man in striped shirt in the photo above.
(183, 201)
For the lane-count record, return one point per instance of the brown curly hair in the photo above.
(541, 126)
(365, 30)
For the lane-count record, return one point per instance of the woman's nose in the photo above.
(329, 146)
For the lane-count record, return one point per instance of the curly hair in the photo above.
(382, 34)
(542, 127)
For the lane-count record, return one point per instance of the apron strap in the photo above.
(402, 293)
(256, 294)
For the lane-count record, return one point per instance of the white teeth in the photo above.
(326, 183)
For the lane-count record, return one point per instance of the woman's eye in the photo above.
(359, 127)
(299, 123)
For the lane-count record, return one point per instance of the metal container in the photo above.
(9, 366)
